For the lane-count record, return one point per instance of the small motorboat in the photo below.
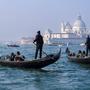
(34, 64)
(13, 45)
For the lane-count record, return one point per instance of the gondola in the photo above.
(83, 60)
(34, 64)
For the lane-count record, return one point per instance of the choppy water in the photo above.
(62, 75)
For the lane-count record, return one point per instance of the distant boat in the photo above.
(13, 45)
(82, 44)
(55, 44)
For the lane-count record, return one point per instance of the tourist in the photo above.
(12, 56)
(19, 57)
(87, 45)
(79, 53)
(39, 44)
(84, 53)
(73, 54)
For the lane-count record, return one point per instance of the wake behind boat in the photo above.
(34, 64)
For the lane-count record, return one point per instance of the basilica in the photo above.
(73, 34)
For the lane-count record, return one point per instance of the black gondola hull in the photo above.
(83, 60)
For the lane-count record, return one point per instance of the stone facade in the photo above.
(76, 31)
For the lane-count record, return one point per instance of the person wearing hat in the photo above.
(38, 41)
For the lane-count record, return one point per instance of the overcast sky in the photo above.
(19, 18)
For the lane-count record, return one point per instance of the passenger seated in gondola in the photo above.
(84, 54)
(22, 57)
(18, 57)
(70, 54)
(12, 56)
(79, 53)
(73, 54)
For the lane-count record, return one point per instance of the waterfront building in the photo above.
(73, 34)
(26, 40)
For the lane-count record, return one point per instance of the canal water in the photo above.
(62, 75)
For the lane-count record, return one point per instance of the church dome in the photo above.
(79, 26)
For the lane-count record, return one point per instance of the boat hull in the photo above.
(84, 60)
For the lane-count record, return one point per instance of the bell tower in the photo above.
(62, 27)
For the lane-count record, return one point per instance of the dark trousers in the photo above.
(87, 50)
(38, 49)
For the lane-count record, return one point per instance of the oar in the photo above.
(42, 50)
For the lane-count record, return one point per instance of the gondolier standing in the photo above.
(87, 45)
(38, 41)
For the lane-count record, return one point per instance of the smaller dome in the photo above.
(79, 26)
(79, 23)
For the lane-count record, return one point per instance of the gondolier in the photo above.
(38, 41)
(87, 45)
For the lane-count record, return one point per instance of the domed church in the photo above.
(77, 31)
(79, 26)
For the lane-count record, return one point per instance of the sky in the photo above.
(23, 18)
